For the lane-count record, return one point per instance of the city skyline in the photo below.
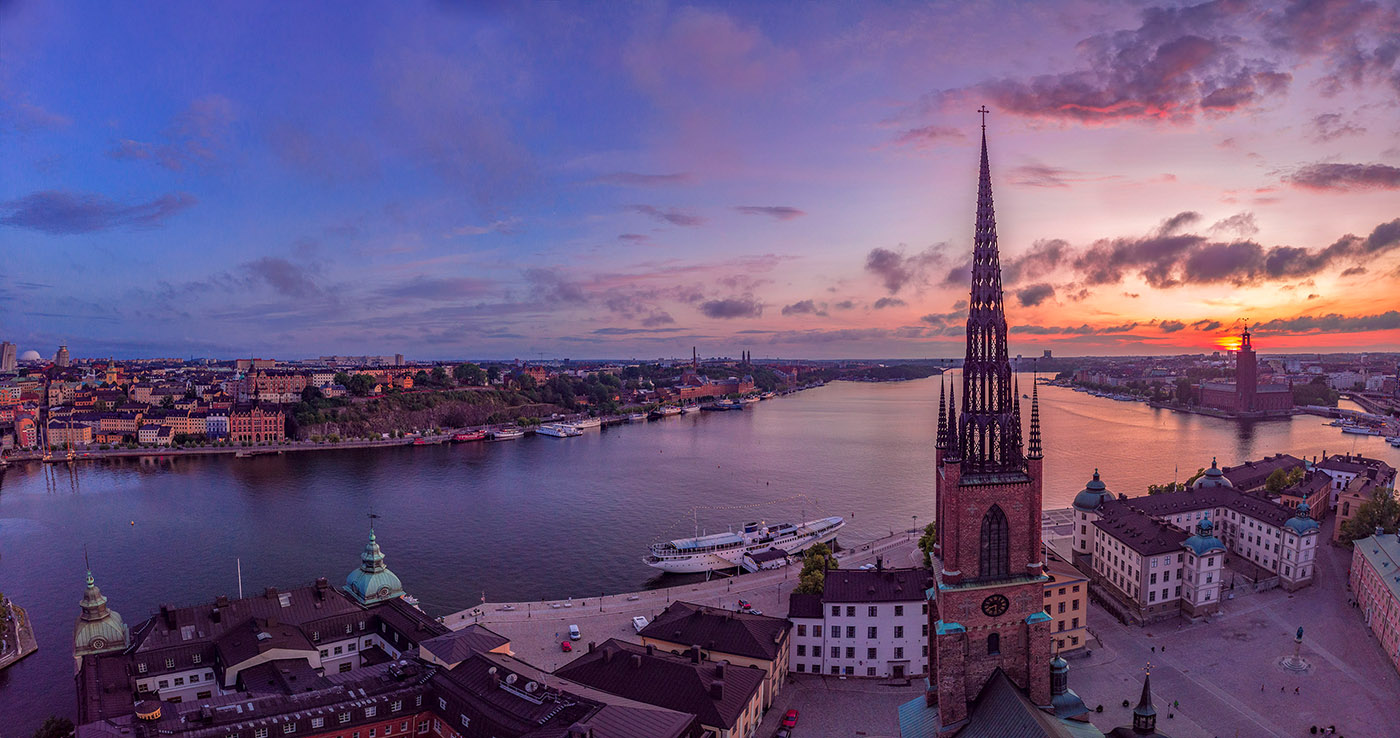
(565, 180)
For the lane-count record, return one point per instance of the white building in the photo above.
(1344, 468)
(866, 622)
(1145, 550)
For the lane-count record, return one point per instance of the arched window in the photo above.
(995, 556)
(993, 644)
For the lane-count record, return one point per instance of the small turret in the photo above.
(373, 583)
(1145, 715)
(1212, 478)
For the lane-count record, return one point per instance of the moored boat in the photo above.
(636, 417)
(587, 423)
(726, 550)
(558, 430)
(468, 436)
(507, 434)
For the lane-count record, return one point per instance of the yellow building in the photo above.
(1067, 602)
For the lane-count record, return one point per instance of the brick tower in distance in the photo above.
(987, 606)
(1246, 374)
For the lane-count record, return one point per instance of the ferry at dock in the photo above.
(726, 550)
(587, 423)
(558, 430)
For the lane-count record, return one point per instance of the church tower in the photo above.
(1246, 374)
(987, 610)
(373, 583)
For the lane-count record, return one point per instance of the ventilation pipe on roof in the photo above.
(591, 646)
(636, 661)
(651, 649)
(717, 690)
(695, 654)
(221, 601)
(580, 730)
(719, 669)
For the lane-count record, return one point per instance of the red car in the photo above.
(566, 647)
(790, 719)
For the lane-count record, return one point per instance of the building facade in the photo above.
(740, 638)
(1374, 563)
(865, 623)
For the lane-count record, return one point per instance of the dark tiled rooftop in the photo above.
(459, 645)
(1252, 474)
(1138, 530)
(716, 629)
(658, 678)
(875, 585)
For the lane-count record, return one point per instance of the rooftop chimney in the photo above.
(168, 615)
(879, 563)
(717, 690)
(636, 661)
(694, 654)
(591, 645)
(580, 730)
(651, 649)
(719, 669)
(221, 601)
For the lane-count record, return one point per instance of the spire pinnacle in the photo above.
(954, 441)
(1034, 451)
(1145, 715)
(942, 441)
(989, 431)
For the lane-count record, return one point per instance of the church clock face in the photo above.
(995, 606)
(98, 643)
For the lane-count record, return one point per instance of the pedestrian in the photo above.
(1295, 690)
(1261, 688)
(1280, 689)
(1154, 649)
(1164, 649)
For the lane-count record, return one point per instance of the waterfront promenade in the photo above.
(536, 628)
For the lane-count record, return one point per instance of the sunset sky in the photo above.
(501, 180)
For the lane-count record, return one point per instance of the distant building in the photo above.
(257, 424)
(865, 623)
(1343, 468)
(1374, 563)
(8, 361)
(1245, 394)
(61, 358)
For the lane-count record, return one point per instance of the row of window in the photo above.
(318, 723)
(871, 631)
(871, 610)
(1075, 606)
(870, 653)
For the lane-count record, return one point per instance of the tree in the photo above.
(469, 374)
(167, 401)
(1381, 511)
(927, 540)
(1282, 479)
(1157, 489)
(311, 394)
(1183, 390)
(493, 373)
(342, 379)
(1315, 392)
(360, 384)
(439, 376)
(55, 727)
(815, 561)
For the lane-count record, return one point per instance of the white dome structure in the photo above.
(30, 355)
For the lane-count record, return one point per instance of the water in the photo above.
(538, 517)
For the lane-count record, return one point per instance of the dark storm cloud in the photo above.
(781, 212)
(1332, 323)
(896, 270)
(803, 307)
(62, 212)
(671, 215)
(1171, 326)
(732, 307)
(885, 302)
(1345, 177)
(1044, 256)
(1035, 294)
(1206, 325)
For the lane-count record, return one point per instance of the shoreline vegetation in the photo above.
(438, 408)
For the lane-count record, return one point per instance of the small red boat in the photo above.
(469, 436)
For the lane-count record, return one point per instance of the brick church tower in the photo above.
(987, 608)
(1246, 374)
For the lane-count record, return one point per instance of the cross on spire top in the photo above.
(983, 110)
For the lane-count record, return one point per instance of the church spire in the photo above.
(1034, 451)
(990, 439)
(1145, 715)
(942, 441)
(954, 442)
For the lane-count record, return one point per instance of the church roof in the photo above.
(1094, 494)
(373, 582)
(1002, 710)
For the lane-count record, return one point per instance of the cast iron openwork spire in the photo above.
(942, 441)
(988, 431)
(1034, 451)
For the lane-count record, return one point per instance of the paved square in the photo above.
(1226, 674)
(831, 707)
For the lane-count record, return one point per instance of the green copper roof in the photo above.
(1093, 495)
(1212, 478)
(98, 628)
(373, 582)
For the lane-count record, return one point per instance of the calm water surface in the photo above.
(538, 517)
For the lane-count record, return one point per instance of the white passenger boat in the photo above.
(558, 430)
(587, 423)
(507, 434)
(637, 417)
(1361, 430)
(726, 550)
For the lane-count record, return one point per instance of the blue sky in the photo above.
(503, 180)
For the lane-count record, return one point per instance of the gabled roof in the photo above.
(1139, 531)
(804, 605)
(716, 629)
(1253, 474)
(458, 646)
(1002, 710)
(658, 678)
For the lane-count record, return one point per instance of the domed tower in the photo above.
(373, 583)
(1201, 571)
(1212, 478)
(1088, 507)
(98, 629)
(1299, 548)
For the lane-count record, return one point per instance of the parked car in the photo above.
(790, 719)
(783, 733)
(573, 633)
(638, 623)
(565, 646)
(744, 605)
